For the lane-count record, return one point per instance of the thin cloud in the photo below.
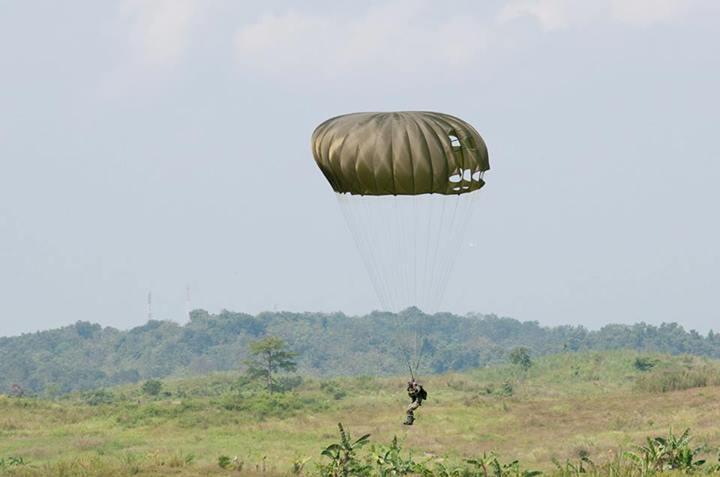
(391, 41)
(153, 38)
(645, 13)
(158, 31)
(399, 37)
(561, 14)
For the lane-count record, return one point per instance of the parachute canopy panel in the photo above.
(400, 153)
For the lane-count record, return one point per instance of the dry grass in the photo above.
(554, 412)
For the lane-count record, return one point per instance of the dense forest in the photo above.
(86, 355)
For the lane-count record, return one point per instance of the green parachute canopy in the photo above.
(400, 153)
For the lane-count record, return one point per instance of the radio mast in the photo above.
(149, 306)
(188, 306)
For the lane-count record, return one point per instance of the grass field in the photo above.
(569, 406)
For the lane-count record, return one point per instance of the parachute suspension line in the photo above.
(467, 209)
(427, 231)
(444, 239)
(397, 252)
(428, 234)
(391, 229)
(432, 234)
(403, 222)
(412, 375)
(451, 246)
(407, 252)
(419, 356)
(398, 241)
(438, 235)
(401, 248)
(429, 293)
(387, 257)
(426, 254)
(415, 345)
(374, 261)
(409, 245)
(415, 250)
(362, 241)
(426, 292)
(350, 222)
(448, 246)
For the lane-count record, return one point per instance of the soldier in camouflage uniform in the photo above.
(418, 395)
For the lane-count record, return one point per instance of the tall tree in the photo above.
(520, 356)
(267, 357)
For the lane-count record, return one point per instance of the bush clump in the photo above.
(98, 397)
(333, 389)
(677, 379)
(644, 363)
(152, 387)
(264, 405)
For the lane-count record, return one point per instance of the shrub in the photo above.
(333, 389)
(263, 405)
(12, 461)
(506, 389)
(287, 383)
(234, 463)
(521, 357)
(644, 363)
(98, 397)
(677, 379)
(224, 462)
(152, 387)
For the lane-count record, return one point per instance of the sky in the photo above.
(163, 145)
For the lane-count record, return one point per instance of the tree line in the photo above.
(87, 355)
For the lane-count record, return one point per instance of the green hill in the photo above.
(86, 356)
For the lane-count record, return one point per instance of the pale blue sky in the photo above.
(129, 129)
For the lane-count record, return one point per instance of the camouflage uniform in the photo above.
(416, 393)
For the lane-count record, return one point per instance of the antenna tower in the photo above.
(149, 306)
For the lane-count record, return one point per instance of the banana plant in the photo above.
(489, 465)
(671, 453)
(343, 458)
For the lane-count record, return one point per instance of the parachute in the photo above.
(406, 183)
(403, 153)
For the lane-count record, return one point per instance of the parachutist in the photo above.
(405, 181)
(418, 394)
